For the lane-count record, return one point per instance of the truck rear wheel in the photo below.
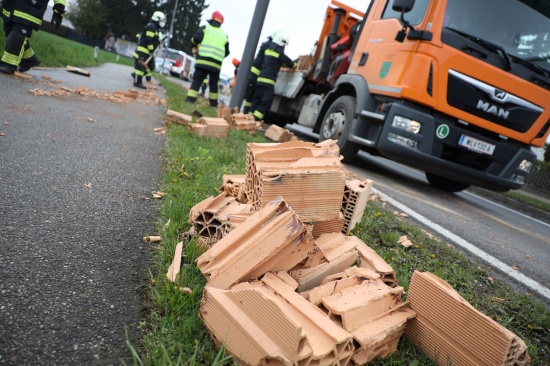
(337, 123)
(445, 184)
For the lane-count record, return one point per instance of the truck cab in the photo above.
(459, 89)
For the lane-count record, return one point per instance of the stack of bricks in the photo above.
(233, 185)
(210, 127)
(242, 121)
(316, 305)
(356, 196)
(177, 117)
(279, 134)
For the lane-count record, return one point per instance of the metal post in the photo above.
(172, 24)
(248, 54)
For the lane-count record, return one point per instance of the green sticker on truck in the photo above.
(385, 69)
(442, 131)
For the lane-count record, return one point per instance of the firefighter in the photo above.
(274, 58)
(213, 47)
(144, 61)
(20, 18)
(253, 76)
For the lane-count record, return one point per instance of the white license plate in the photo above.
(476, 145)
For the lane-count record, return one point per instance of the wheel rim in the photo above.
(333, 124)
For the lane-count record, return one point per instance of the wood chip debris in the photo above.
(2, 134)
(186, 290)
(160, 130)
(88, 185)
(90, 119)
(497, 299)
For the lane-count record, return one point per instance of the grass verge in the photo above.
(193, 168)
(528, 200)
(56, 51)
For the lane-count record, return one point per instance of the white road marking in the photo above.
(495, 262)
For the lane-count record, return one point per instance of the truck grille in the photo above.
(487, 102)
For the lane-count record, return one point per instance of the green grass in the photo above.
(56, 51)
(528, 200)
(193, 168)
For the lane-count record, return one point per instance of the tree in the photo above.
(188, 16)
(547, 152)
(126, 18)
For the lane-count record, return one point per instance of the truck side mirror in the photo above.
(403, 6)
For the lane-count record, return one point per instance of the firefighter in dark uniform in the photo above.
(20, 18)
(213, 45)
(253, 76)
(274, 58)
(148, 42)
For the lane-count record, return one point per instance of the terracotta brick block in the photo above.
(447, 327)
(272, 239)
(210, 127)
(210, 216)
(361, 304)
(288, 331)
(372, 260)
(176, 117)
(278, 134)
(335, 283)
(232, 184)
(380, 337)
(356, 196)
(313, 187)
(333, 223)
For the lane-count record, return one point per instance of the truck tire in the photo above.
(337, 123)
(445, 184)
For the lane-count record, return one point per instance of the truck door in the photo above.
(382, 61)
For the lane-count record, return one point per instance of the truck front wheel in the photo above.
(445, 184)
(337, 123)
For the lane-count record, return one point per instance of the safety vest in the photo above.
(213, 43)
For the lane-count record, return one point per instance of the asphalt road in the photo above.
(76, 176)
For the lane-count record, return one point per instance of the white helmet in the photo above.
(158, 16)
(280, 38)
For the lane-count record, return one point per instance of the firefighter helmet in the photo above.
(217, 16)
(280, 38)
(158, 16)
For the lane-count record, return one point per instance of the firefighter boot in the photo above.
(7, 68)
(28, 63)
(138, 82)
(148, 78)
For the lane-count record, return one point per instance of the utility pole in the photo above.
(258, 18)
(172, 24)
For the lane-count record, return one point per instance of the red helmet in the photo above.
(217, 16)
(235, 62)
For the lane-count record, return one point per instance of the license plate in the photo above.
(476, 145)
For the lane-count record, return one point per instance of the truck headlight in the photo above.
(406, 124)
(525, 165)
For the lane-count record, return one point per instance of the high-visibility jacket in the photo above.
(274, 58)
(148, 41)
(213, 45)
(29, 13)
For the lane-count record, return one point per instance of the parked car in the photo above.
(166, 59)
(184, 67)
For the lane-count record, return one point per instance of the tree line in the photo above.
(126, 18)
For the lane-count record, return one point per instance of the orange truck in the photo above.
(459, 89)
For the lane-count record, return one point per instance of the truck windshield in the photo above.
(520, 27)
